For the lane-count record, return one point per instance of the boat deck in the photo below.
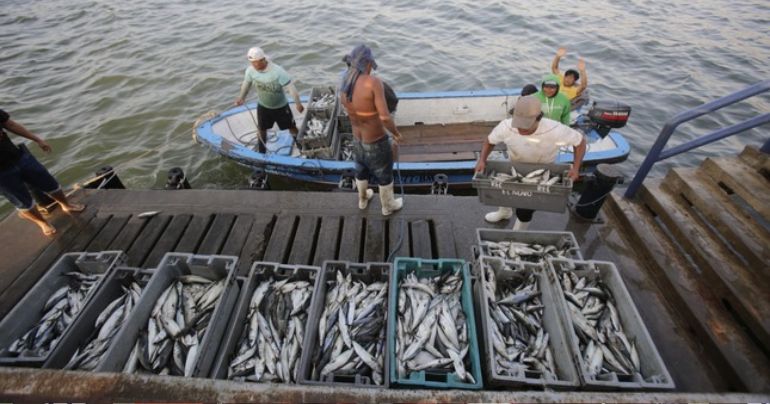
(308, 228)
(443, 142)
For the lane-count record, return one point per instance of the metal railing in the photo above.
(657, 153)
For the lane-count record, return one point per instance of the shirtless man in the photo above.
(363, 97)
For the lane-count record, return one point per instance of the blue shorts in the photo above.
(374, 160)
(15, 179)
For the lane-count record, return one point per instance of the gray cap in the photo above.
(525, 112)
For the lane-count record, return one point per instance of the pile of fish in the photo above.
(326, 102)
(540, 176)
(432, 331)
(170, 342)
(111, 319)
(520, 343)
(603, 344)
(351, 331)
(317, 128)
(346, 149)
(59, 311)
(271, 342)
(531, 252)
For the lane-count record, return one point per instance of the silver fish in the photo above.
(353, 321)
(516, 311)
(430, 325)
(271, 341)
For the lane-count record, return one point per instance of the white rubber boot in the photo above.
(519, 225)
(364, 193)
(389, 204)
(501, 213)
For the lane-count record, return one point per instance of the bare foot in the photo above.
(73, 207)
(47, 229)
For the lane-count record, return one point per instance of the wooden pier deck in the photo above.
(308, 228)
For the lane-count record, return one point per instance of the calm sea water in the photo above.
(121, 82)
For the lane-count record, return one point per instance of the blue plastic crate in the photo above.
(431, 268)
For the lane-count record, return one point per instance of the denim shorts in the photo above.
(27, 172)
(374, 160)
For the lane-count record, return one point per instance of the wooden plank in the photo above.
(752, 156)
(437, 157)
(747, 183)
(256, 242)
(445, 239)
(471, 146)
(108, 233)
(128, 234)
(279, 246)
(740, 362)
(726, 275)
(441, 133)
(217, 234)
(739, 230)
(304, 241)
(328, 237)
(146, 240)
(168, 240)
(17, 286)
(89, 234)
(374, 249)
(350, 241)
(238, 234)
(193, 234)
(398, 228)
(421, 242)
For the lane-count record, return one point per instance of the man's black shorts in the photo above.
(268, 117)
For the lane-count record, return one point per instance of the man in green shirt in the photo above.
(555, 105)
(271, 82)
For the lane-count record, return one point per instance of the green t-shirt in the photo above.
(268, 84)
(556, 108)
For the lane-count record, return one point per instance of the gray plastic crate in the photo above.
(343, 138)
(260, 271)
(28, 311)
(367, 273)
(633, 326)
(173, 265)
(343, 122)
(319, 110)
(557, 238)
(82, 329)
(566, 372)
(551, 198)
(327, 152)
(325, 113)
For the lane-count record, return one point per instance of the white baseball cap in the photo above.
(256, 53)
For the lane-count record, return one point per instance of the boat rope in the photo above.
(402, 227)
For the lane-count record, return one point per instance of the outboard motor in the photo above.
(606, 115)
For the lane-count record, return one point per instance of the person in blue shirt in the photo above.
(271, 82)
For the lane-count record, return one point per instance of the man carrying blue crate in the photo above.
(270, 81)
(530, 138)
